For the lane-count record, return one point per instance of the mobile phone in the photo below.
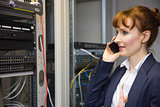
(114, 47)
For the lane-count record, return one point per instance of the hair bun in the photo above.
(157, 15)
(156, 10)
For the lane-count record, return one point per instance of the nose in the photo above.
(117, 40)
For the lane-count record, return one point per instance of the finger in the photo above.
(118, 54)
(125, 99)
(108, 48)
(108, 43)
(120, 103)
(121, 94)
(114, 37)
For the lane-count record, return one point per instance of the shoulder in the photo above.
(151, 68)
(154, 80)
(155, 70)
(151, 65)
(154, 76)
(156, 66)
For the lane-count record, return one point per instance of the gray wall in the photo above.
(123, 4)
(88, 22)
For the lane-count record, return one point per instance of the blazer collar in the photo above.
(139, 82)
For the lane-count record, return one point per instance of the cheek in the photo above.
(131, 41)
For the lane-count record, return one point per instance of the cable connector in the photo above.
(35, 3)
(82, 104)
(12, 4)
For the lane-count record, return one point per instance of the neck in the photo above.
(136, 58)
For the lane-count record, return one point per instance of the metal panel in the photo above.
(41, 86)
(61, 21)
(104, 22)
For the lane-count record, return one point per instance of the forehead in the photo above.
(124, 18)
(125, 22)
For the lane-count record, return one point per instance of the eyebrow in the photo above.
(123, 29)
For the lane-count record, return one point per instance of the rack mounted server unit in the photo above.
(17, 36)
(17, 9)
(83, 58)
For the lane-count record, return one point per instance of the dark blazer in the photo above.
(145, 91)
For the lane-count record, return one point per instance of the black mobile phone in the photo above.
(114, 47)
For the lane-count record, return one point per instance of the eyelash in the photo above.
(116, 32)
(124, 32)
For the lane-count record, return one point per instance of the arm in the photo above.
(97, 86)
(155, 98)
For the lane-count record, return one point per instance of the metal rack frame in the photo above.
(40, 86)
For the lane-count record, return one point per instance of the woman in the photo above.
(135, 83)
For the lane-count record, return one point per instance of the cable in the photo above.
(47, 89)
(87, 75)
(44, 62)
(85, 84)
(18, 103)
(83, 68)
(13, 90)
(89, 53)
(19, 90)
(15, 104)
(90, 75)
(50, 98)
(80, 88)
(78, 74)
(13, 84)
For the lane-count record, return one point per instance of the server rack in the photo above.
(21, 51)
(85, 57)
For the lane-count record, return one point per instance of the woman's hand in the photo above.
(122, 100)
(108, 55)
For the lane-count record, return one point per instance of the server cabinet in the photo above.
(22, 68)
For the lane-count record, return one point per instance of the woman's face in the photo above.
(129, 40)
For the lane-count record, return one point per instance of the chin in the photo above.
(124, 54)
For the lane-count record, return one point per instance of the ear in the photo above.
(146, 35)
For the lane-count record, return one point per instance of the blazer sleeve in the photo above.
(97, 86)
(155, 97)
(155, 100)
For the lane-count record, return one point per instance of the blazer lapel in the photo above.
(139, 82)
(136, 89)
(113, 85)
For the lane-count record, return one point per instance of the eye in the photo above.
(116, 32)
(124, 32)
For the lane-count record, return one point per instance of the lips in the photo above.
(121, 47)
